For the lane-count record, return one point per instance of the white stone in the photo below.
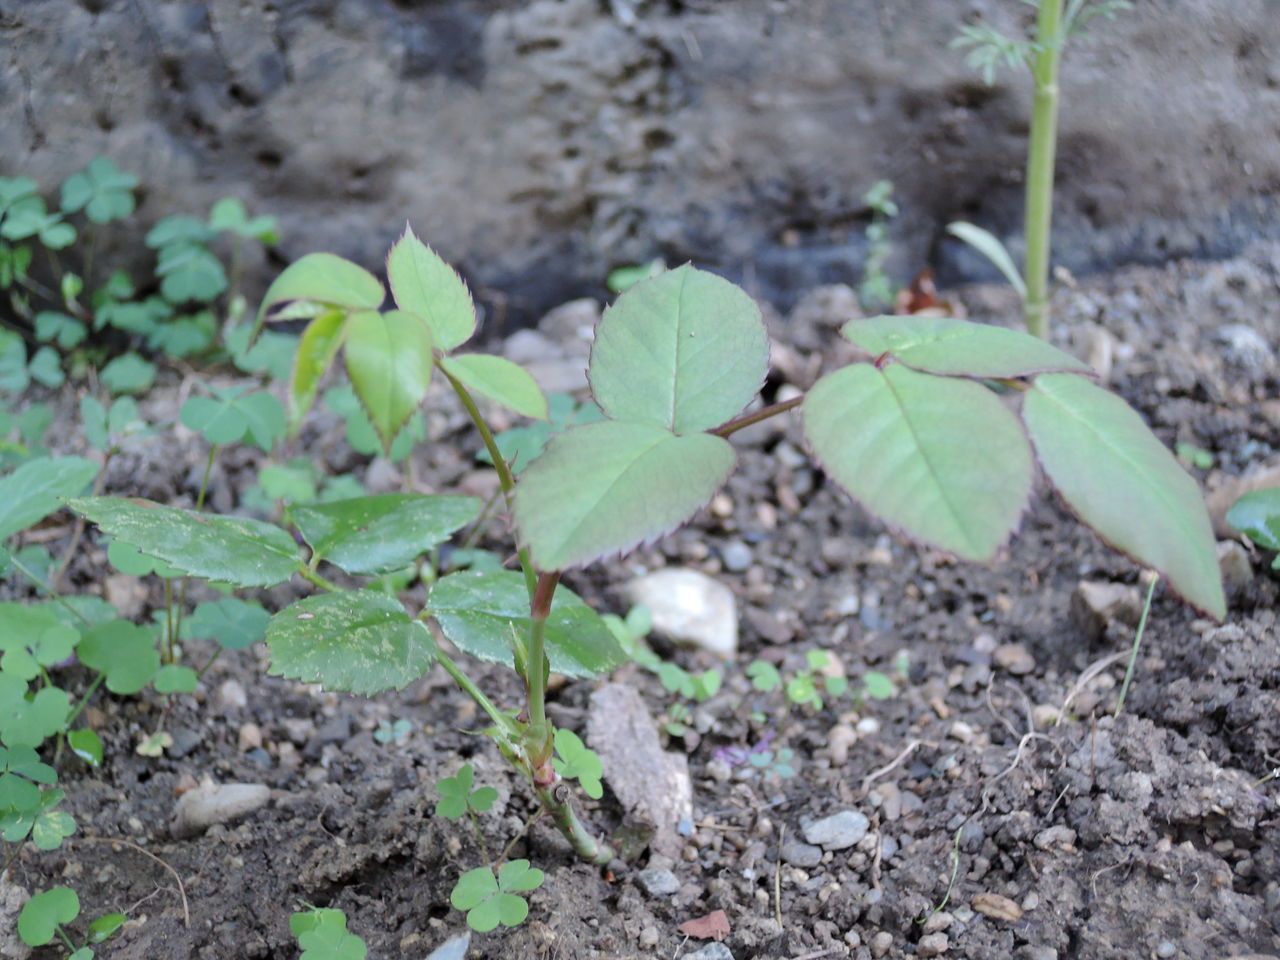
(689, 607)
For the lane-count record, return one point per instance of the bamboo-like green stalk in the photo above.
(555, 800)
(1040, 164)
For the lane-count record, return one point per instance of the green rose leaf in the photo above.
(479, 611)
(1257, 516)
(427, 287)
(1119, 479)
(607, 487)
(380, 534)
(389, 358)
(316, 349)
(37, 488)
(685, 349)
(501, 381)
(941, 458)
(361, 642)
(327, 279)
(953, 347)
(237, 550)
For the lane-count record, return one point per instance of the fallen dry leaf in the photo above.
(714, 926)
(998, 907)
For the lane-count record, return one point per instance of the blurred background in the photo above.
(539, 145)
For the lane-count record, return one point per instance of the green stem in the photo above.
(204, 481)
(505, 477)
(733, 426)
(468, 686)
(212, 660)
(482, 521)
(1040, 162)
(1137, 642)
(555, 800)
(39, 582)
(92, 231)
(308, 574)
(536, 679)
(77, 532)
(84, 700)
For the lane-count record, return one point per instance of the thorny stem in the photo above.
(505, 477)
(536, 674)
(746, 420)
(1137, 642)
(1040, 161)
(555, 800)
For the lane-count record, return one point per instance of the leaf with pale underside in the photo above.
(607, 487)
(501, 381)
(324, 278)
(940, 458)
(360, 641)
(989, 245)
(316, 349)
(237, 550)
(685, 349)
(954, 347)
(389, 360)
(376, 535)
(478, 611)
(427, 287)
(1123, 482)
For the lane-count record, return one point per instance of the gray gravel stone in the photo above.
(712, 951)
(453, 949)
(657, 883)
(689, 607)
(838, 831)
(801, 854)
(736, 556)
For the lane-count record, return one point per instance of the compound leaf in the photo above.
(607, 487)
(43, 913)
(1122, 481)
(316, 349)
(941, 458)
(360, 641)
(685, 349)
(237, 550)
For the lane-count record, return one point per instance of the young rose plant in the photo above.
(937, 429)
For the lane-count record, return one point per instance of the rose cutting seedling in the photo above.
(937, 428)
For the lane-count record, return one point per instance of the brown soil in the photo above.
(1149, 834)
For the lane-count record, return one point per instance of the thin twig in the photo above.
(1090, 672)
(528, 824)
(777, 878)
(182, 890)
(875, 775)
(1137, 642)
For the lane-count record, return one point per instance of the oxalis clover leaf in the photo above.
(457, 797)
(322, 934)
(491, 900)
(576, 761)
(46, 826)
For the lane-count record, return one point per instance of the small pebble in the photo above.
(839, 739)
(250, 737)
(838, 831)
(868, 726)
(1014, 658)
(212, 803)
(938, 922)
(801, 854)
(881, 943)
(736, 556)
(231, 696)
(658, 883)
(1166, 949)
(649, 937)
(712, 951)
(932, 945)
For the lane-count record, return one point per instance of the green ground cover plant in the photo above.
(937, 428)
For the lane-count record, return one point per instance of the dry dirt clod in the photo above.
(996, 906)
(1015, 658)
(1096, 603)
(210, 803)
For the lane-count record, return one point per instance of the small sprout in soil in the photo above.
(457, 798)
(322, 934)
(576, 761)
(779, 764)
(1194, 456)
(490, 900)
(45, 915)
(397, 732)
(1257, 516)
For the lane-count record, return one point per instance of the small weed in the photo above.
(322, 934)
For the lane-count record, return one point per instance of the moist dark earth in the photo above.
(1009, 812)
